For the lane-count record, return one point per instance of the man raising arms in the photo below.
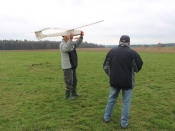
(69, 61)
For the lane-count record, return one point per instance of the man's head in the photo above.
(66, 38)
(124, 39)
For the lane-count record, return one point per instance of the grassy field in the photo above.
(32, 94)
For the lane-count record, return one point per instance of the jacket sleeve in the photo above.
(66, 47)
(77, 42)
(106, 65)
(138, 63)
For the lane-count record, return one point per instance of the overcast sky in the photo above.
(145, 21)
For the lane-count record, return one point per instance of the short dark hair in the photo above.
(124, 38)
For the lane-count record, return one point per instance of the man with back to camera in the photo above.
(69, 63)
(120, 64)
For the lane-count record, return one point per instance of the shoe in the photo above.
(105, 120)
(70, 98)
(123, 127)
(76, 94)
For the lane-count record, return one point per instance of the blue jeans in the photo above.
(126, 98)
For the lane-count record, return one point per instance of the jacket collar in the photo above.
(123, 45)
(63, 41)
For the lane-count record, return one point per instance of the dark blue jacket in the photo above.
(120, 64)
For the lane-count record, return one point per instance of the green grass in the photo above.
(32, 98)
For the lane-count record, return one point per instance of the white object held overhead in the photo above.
(40, 35)
(89, 24)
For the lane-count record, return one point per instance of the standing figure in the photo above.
(120, 64)
(69, 63)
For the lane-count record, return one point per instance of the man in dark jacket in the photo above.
(120, 64)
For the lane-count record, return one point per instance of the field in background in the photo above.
(138, 49)
(32, 92)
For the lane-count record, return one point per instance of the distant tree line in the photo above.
(90, 45)
(160, 45)
(146, 45)
(35, 45)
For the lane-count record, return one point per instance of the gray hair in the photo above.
(126, 43)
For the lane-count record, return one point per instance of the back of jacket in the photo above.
(120, 64)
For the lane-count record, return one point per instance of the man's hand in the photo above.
(82, 34)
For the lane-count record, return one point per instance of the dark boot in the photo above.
(68, 95)
(74, 92)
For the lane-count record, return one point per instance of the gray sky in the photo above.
(145, 21)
